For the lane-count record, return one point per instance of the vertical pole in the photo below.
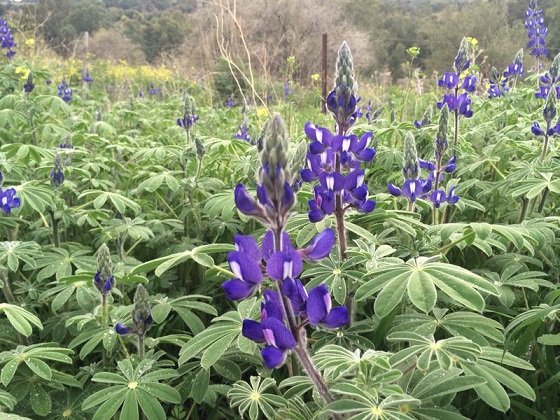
(324, 76)
(85, 60)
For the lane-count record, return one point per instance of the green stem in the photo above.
(56, 238)
(104, 310)
(223, 270)
(300, 335)
(141, 345)
(523, 209)
(543, 200)
(6, 286)
(496, 169)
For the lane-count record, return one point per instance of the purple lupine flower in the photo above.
(243, 132)
(189, 113)
(278, 338)
(86, 77)
(248, 276)
(6, 39)
(64, 91)
(103, 283)
(28, 86)
(459, 103)
(57, 174)
(141, 314)
(323, 151)
(230, 103)
(152, 90)
(536, 30)
(8, 199)
(320, 312)
(287, 90)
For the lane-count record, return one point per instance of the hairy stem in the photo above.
(543, 200)
(141, 345)
(56, 238)
(6, 287)
(104, 310)
(300, 335)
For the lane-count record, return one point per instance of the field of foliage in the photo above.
(172, 249)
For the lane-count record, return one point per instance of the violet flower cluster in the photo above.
(6, 39)
(28, 86)
(550, 91)
(189, 113)
(86, 77)
(499, 83)
(64, 91)
(459, 103)
(289, 307)
(549, 80)
(8, 199)
(334, 159)
(243, 131)
(536, 30)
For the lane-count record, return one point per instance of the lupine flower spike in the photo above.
(141, 318)
(189, 114)
(6, 39)
(334, 159)
(29, 85)
(413, 186)
(286, 310)
(536, 31)
(104, 280)
(57, 174)
(64, 91)
(457, 103)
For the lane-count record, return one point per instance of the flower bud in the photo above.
(410, 167)
(142, 311)
(104, 279)
(440, 143)
(461, 62)
(57, 174)
(549, 111)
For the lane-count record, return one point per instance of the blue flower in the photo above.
(104, 285)
(248, 276)
(64, 91)
(278, 338)
(243, 132)
(319, 247)
(6, 39)
(8, 200)
(536, 30)
(320, 312)
(86, 77)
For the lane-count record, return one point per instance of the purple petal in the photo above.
(277, 334)
(271, 306)
(336, 318)
(282, 265)
(237, 289)
(122, 329)
(252, 330)
(316, 215)
(411, 189)
(366, 155)
(366, 207)
(248, 245)
(319, 247)
(273, 357)
(394, 190)
(316, 304)
(245, 267)
(244, 202)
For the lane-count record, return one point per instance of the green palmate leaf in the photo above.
(421, 277)
(7, 400)
(252, 398)
(129, 409)
(39, 367)
(20, 319)
(549, 339)
(40, 400)
(200, 385)
(150, 406)
(443, 382)
(110, 407)
(492, 393)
